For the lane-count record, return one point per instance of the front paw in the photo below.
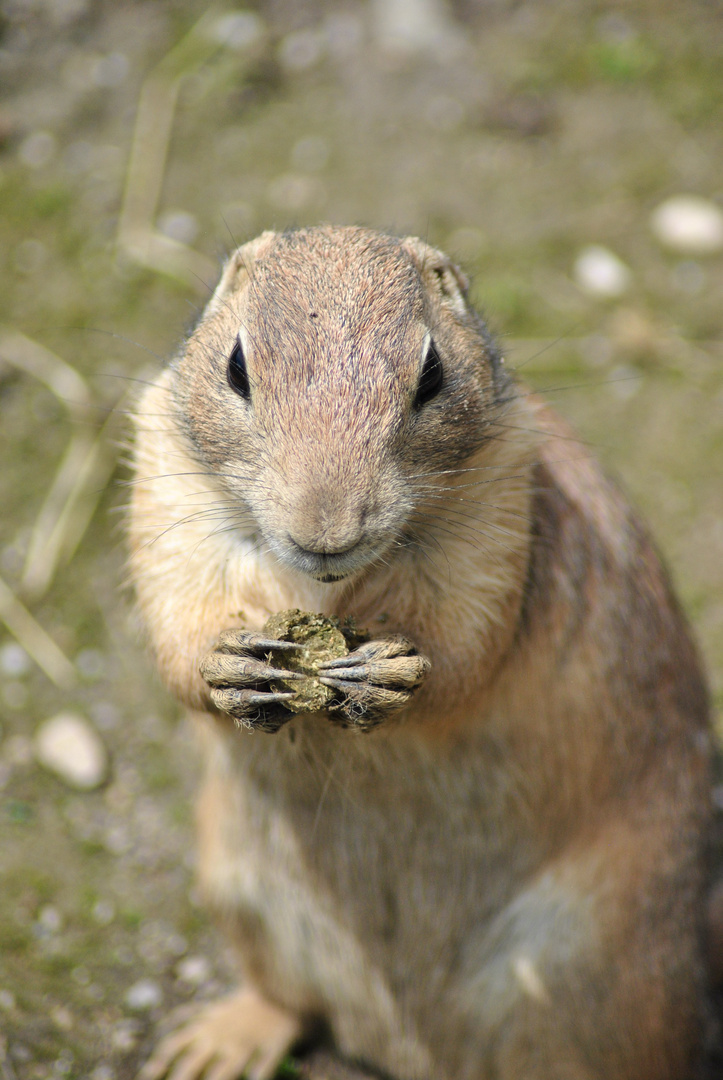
(239, 674)
(374, 681)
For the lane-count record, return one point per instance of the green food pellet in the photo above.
(322, 639)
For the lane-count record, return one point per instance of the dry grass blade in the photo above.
(68, 508)
(44, 549)
(36, 642)
(137, 235)
(85, 466)
(69, 387)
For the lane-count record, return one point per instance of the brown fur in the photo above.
(505, 879)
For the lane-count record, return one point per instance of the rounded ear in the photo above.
(439, 272)
(239, 268)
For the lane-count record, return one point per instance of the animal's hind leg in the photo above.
(594, 970)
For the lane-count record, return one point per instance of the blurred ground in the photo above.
(514, 135)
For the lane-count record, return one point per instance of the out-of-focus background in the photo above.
(570, 155)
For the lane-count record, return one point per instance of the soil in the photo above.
(514, 135)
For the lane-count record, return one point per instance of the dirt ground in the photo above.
(139, 143)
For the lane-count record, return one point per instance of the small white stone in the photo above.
(50, 918)
(103, 912)
(91, 664)
(599, 272)
(37, 149)
(125, 1035)
(237, 29)
(179, 225)
(144, 994)
(7, 1000)
(110, 71)
(690, 224)
(62, 1017)
(69, 747)
(194, 970)
(302, 50)
(416, 26)
(102, 1072)
(14, 660)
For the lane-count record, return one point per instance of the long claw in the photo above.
(275, 646)
(268, 699)
(355, 673)
(336, 684)
(340, 662)
(274, 673)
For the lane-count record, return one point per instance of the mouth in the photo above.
(327, 566)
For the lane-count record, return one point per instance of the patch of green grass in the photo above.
(130, 918)
(288, 1070)
(622, 61)
(14, 939)
(20, 813)
(507, 300)
(58, 963)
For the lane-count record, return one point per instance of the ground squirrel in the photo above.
(488, 859)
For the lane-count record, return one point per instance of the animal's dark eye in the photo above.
(238, 375)
(430, 381)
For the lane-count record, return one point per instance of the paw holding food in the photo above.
(307, 663)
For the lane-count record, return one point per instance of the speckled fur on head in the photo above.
(334, 324)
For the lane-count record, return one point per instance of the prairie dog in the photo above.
(488, 862)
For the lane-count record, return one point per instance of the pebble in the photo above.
(237, 29)
(14, 661)
(103, 912)
(102, 1072)
(690, 224)
(179, 225)
(416, 26)
(301, 50)
(69, 747)
(125, 1035)
(62, 1017)
(50, 919)
(194, 970)
(91, 664)
(599, 272)
(37, 149)
(144, 994)
(110, 71)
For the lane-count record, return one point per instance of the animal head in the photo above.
(335, 374)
